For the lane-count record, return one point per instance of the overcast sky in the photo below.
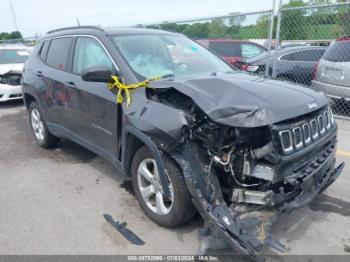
(39, 16)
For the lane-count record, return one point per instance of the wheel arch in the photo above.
(132, 140)
(28, 99)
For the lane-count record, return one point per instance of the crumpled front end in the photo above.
(10, 86)
(244, 178)
(246, 168)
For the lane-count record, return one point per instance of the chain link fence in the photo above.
(299, 42)
(232, 37)
(320, 36)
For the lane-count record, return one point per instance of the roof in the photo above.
(94, 30)
(283, 51)
(297, 48)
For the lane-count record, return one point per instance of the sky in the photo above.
(39, 16)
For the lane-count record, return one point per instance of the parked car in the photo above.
(292, 63)
(233, 51)
(332, 73)
(11, 65)
(202, 137)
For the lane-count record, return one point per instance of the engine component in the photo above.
(264, 171)
(251, 196)
(259, 153)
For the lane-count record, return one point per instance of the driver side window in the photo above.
(88, 53)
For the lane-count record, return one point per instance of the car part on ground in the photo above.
(127, 233)
(292, 63)
(244, 148)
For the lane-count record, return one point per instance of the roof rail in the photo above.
(75, 27)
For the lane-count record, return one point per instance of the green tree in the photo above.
(343, 21)
(197, 30)
(294, 24)
(217, 29)
(11, 35)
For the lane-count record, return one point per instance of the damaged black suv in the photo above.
(240, 149)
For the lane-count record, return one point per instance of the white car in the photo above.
(11, 66)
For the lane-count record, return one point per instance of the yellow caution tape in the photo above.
(126, 88)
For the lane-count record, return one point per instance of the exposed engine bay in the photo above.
(250, 176)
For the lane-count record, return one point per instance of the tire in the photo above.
(40, 131)
(180, 208)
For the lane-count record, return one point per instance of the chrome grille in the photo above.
(307, 133)
(314, 129)
(302, 135)
(321, 125)
(298, 138)
(286, 141)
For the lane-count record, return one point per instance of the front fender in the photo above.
(152, 147)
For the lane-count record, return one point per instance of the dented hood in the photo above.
(243, 100)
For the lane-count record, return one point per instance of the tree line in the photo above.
(300, 24)
(11, 35)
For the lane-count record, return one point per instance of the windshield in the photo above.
(167, 56)
(13, 56)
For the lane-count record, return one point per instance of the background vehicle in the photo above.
(332, 73)
(233, 51)
(11, 65)
(229, 142)
(292, 63)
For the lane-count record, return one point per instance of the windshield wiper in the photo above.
(168, 75)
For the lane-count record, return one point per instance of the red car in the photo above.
(233, 51)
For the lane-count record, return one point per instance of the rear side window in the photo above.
(226, 48)
(338, 52)
(43, 51)
(57, 56)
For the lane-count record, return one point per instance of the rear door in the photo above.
(334, 68)
(92, 110)
(51, 78)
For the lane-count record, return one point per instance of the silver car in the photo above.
(332, 74)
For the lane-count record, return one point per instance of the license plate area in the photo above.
(333, 73)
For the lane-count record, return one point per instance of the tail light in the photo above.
(314, 71)
(244, 67)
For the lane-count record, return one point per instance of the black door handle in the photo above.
(39, 73)
(70, 85)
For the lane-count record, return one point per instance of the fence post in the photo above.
(278, 38)
(269, 41)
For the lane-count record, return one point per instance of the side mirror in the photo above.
(97, 74)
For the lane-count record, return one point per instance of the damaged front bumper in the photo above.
(10, 92)
(247, 233)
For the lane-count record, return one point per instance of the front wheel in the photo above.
(168, 212)
(42, 135)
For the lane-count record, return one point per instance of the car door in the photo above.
(92, 111)
(51, 77)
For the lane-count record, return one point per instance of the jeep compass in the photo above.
(242, 150)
